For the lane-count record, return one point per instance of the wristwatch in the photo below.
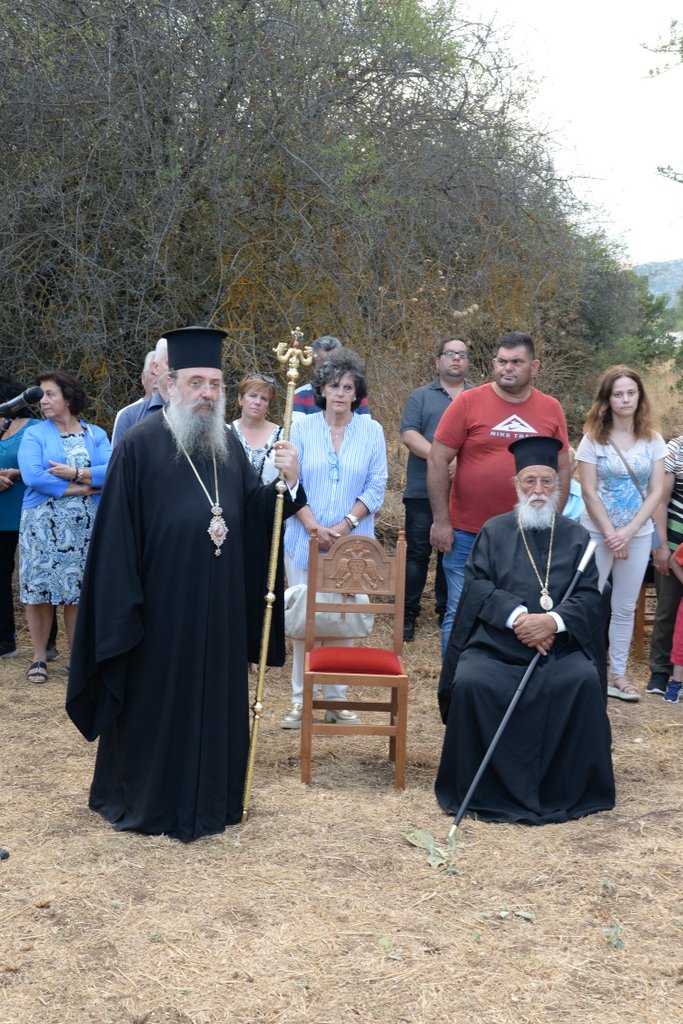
(353, 520)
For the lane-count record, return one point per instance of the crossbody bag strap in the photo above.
(628, 469)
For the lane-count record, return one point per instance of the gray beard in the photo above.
(198, 435)
(530, 518)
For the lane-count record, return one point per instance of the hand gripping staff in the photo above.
(292, 355)
(587, 555)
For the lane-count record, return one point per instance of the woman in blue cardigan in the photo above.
(63, 462)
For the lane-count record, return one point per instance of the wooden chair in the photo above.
(643, 618)
(356, 565)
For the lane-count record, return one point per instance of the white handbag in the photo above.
(348, 625)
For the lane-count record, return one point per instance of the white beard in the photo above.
(198, 435)
(531, 518)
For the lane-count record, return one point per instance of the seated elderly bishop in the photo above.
(552, 763)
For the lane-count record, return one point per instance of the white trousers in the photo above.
(295, 576)
(627, 578)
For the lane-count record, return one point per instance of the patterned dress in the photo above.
(260, 458)
(54, 538)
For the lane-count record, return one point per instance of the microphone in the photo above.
(27, 397)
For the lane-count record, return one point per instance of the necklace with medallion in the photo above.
(217, 529)
(545, 600)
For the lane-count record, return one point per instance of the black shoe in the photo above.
(8, 649)
(52, 653)
(408, 630)
(658, 682)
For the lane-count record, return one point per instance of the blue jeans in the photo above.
(419, 551)
(454, 568)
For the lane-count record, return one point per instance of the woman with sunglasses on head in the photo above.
(256, 433)
(343, 467)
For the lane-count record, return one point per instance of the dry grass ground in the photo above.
(319, 910)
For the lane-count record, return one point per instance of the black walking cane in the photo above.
(587, 555)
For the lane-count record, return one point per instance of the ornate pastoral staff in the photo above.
(293, 356)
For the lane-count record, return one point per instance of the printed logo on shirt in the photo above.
(513, 426)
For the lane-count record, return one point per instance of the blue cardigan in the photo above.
(41, 444)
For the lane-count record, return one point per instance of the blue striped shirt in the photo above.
(362, 473)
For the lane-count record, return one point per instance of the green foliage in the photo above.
(360, 168)
(438, 857)
(613, 937)
(388, 949)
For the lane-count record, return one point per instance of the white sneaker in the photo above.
(342, 717)
(292, 720)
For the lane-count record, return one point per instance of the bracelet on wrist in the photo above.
(79, 475)
(352, 520)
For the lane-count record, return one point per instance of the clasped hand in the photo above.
(62, 470)
(6, 479)
(617, 542)
(327, 535)
(536, 630)
(73, 490)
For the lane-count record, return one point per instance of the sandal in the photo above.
(623, 689)
(37, 673)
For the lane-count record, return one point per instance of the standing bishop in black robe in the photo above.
(553, 762)
(167, 625)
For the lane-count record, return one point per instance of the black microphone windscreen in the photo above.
(33, 394)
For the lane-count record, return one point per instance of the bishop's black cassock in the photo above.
(165, 632)
(553, 761)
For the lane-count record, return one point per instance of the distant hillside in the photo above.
(664, 278)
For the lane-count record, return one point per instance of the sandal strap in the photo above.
(38, 668)
(624, 685)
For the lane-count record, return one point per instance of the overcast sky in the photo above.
(613, 124)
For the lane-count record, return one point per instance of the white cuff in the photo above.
(561, 628)
(519, 610)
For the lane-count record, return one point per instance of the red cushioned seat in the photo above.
(372, 660)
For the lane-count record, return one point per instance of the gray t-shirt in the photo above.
(422, 412)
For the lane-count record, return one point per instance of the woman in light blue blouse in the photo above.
(63, 462)
(343, 467)
(621, 464)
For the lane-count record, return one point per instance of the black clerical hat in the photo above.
(535, 451)
(195, 346)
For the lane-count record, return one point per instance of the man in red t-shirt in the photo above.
(478, 429)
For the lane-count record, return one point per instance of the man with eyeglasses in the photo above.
(423, 410)
(172, 606)
(478, 429)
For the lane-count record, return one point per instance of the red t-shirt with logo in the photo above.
(481, 426)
